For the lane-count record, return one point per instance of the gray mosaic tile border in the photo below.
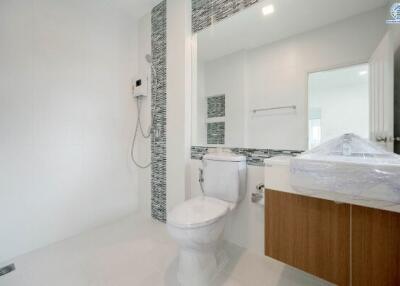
(216, 133)
(254, 157)
(207, 12)
(159, 112)
(216, 106)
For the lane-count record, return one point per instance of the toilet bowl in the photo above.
(198, 225)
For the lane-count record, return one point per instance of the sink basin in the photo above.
(347, 168)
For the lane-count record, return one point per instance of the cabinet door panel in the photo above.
(310, 234)
(375, 247)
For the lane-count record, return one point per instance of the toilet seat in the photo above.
(197, 212)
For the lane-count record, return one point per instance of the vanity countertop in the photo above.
(277, 178)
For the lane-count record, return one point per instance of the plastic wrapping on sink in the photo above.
(348, 167)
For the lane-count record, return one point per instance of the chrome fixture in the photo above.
(385, 139)
(151, 130)
(201, 179)
(259, 194)
(381, 139)
(294, 107)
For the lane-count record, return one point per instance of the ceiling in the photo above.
(250, 28)
(135, 8)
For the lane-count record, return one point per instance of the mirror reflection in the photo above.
(338, 103)
(273, 77)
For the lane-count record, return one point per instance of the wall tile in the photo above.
(207, 12)
(216, 133)
(216, 106)
(254, 157)
(159, 112)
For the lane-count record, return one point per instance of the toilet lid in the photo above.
(197, 212)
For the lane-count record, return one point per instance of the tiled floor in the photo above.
(137, 251)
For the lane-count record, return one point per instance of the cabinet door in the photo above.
(375, 247)
(310, 234)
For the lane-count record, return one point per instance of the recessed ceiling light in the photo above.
(269, 9)
(361, 73)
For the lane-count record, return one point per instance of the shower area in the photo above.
(149, 154)
(70, 127)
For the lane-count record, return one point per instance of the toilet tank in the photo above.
(224, 176)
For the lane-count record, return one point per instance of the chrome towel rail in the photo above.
(275, 108)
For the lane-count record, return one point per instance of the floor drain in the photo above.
(7, 269)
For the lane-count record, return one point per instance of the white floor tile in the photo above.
(137, 251)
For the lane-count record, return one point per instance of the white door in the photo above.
(381, 67)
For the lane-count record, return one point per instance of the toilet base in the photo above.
(199, 268)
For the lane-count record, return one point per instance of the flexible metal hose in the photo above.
(140, 127)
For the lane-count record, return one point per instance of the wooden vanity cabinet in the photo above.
(375, 247)
(309, 234)
(341, 243)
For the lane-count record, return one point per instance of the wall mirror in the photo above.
(338, 103)
(288, 75)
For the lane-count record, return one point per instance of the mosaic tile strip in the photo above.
(159, 112)
(216, 133)
(216, 106)
(254, 157)
(207, 12)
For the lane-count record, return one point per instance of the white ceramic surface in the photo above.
(200, 251)
(197, 212)
(277, 173)
(198, 224)
(224, 176)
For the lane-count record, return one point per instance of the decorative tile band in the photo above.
(207, 12)
(254, 157)
(216, 106)
(159, 112)
(216, 133)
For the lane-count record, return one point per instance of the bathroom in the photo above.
(199, 142)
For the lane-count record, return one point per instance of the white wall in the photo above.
(353, 103)
(66, 120)
(226, 75)
(178, 100)
(277, 75)
(199, 106)
(143, 149)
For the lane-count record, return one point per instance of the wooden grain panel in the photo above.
(310, 234)
(375, 247)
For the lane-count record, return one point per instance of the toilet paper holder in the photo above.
(258, 195)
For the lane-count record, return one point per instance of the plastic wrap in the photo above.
(348, 167)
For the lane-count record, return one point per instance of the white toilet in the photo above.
(198, 224)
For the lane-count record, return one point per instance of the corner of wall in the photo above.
(179, 100)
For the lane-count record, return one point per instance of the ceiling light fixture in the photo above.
(362, 73)
(269, 9)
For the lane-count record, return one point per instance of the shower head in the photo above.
(149, 59)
